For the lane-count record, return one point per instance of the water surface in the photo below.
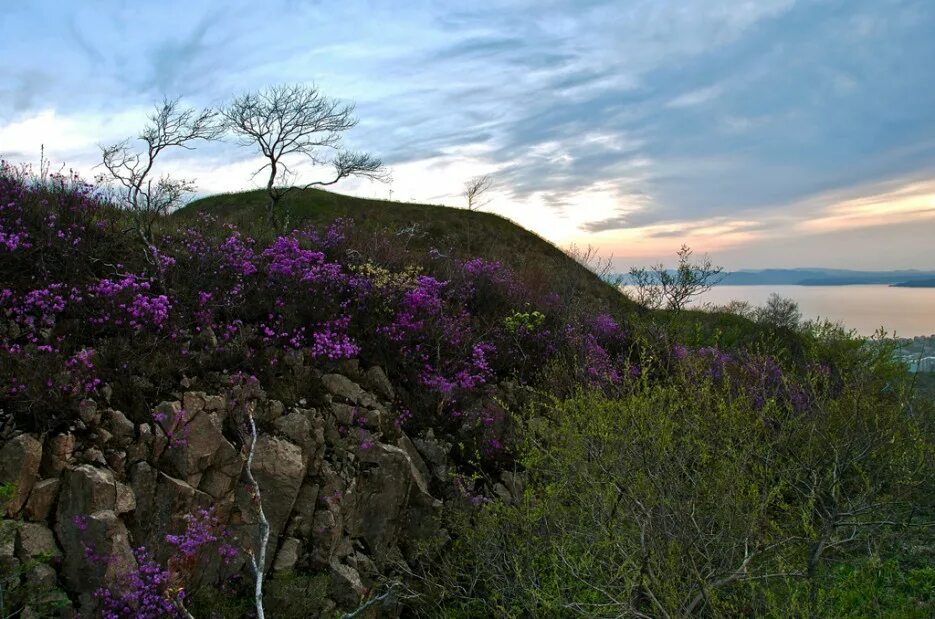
(865, 308)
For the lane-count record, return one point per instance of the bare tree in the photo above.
(675, 288)
(298, 120)
(590, 258)
(475, 191)
(145, 196)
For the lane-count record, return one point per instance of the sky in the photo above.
(766, 133)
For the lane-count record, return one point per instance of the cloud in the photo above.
(636, 120)
(695, 97)
(909, 202)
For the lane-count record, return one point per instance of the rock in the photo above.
(374, 419)
(215, 403)
(288, 555)
(346, 586)
(122, 429)
(389, 500)
(435, 453)
(304, 510)
(96, 550)
(88, 413)
(58, 454)
(345, 414)
(279, 469)
(406, 445)
(363, 565)
(94, 541)
(126, 500)
(35, 541)
(43, 591)
(201, 438)
(193, 402)
(269, 411)
(117, 461)
(206, 340)
(143, 482)
(160, 442)
(515, 483)
(162, 504)
(348, 367)
(215, 483)
(342, 387)
(328, 521)
(297, 428)
(8, 560)
(93, 455)
(502, 493)
(169, 417)
(41, 499)
(20, 458)
(85, 490)
(227, 464)
(142, 449)
(376, 381)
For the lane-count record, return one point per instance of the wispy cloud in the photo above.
(629, 121)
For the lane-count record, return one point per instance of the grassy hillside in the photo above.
(466, 234)
(423, 226)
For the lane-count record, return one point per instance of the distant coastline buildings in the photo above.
(917, 353)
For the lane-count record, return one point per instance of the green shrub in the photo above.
(684, 498)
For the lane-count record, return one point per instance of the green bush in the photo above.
(684, 498)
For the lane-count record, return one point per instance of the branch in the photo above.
(349, 163)
(258, 563)
(374, 600)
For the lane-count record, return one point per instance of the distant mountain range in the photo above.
(829, 277)
(811, 276)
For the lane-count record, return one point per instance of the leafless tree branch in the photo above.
(475, 191)
(298, 119)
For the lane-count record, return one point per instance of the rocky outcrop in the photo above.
(19, 465)
(95, 542)
(389, 501)
(346, 492)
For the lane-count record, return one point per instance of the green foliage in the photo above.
(527, 321)
(23, 584)
(297, 595)
(7, 492)
(286, 595)
(862, 589)
(683, 498)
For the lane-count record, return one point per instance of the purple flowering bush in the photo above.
(152, 589)
(80, 307)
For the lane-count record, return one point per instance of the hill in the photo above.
(923, 282)
(381, 410)
(454, 231)
(461, 233)
(822, 277)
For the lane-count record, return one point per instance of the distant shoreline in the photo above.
(811, 277)
(811, 284)
(925, 283)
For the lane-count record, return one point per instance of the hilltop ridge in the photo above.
(457, 231)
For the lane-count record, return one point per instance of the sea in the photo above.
(902, 312)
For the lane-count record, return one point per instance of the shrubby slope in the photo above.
(429, 380)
